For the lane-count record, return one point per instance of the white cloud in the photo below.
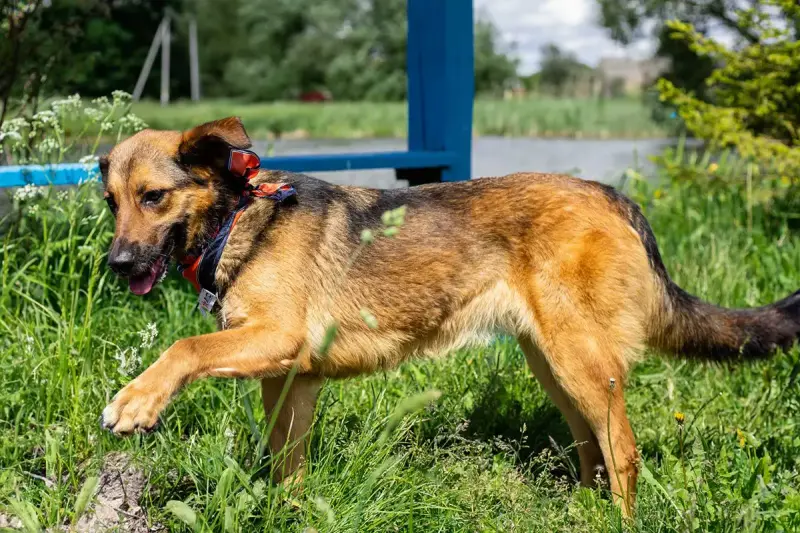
(571, 24)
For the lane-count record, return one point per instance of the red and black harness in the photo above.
(201, 268)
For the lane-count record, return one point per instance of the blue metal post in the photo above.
(441, 87)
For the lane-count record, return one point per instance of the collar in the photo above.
(201, 269)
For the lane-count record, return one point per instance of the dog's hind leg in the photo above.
(290, 434)
(589, 375)
(590, 454)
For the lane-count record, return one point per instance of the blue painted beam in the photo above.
(363, 161)
(63, 174)
(73, 173)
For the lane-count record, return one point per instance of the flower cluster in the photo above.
(130, 123)
(45, 138)
(71, 104)
(28, 192)
(148, 335)
(128, 361)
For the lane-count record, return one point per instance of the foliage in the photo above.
(68, 129)
(559, 69)
(755, 90)
(495, 69)
(687, 69)
(111, 47)
(260, 50)
(629, 20)
(86, 46)
(355, 50)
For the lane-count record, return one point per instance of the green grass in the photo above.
(540, 116)
(492, 454)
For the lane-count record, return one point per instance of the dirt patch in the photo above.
(116, 506)
(10, 522)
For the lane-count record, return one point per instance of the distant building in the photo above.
(624, 75)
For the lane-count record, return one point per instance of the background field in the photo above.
(539, 116)
(492, 454)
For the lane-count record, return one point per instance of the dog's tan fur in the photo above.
(562, 264)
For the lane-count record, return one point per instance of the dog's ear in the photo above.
(209, 144)
(102, 162)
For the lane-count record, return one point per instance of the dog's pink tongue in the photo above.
(141, 285)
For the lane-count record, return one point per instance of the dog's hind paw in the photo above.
(132, 410)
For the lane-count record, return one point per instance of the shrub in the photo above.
(754, 91)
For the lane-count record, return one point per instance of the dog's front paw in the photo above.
(134, 409)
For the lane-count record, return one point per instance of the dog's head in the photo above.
(168, 190)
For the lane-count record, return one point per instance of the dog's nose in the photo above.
(121, 261)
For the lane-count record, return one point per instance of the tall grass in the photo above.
(541, 116)
(491, 454)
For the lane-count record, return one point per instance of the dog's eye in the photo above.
(152, 197)
(112, 205)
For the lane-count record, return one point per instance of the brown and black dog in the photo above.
(570, 267)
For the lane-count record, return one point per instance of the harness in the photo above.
(201, 268)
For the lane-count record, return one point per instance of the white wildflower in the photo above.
(62, 196)
(148, 335)
(106, 125)
(14, 125)
(229, 435)
(49, 145)
(89, 162)
(131, 123)
(94, 115)
(33, 211)
(45, 118)
(28, 345)
(11, 135)
(69, 104)
(128, 361)
(28, 192)
(120, 97)
(102, 103)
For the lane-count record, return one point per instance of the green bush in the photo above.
(754, 91)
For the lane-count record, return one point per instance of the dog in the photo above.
(569, 267)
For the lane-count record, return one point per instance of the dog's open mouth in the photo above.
(143, 283)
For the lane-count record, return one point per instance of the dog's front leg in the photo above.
(246, 352)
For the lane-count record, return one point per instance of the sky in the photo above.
(572, 24)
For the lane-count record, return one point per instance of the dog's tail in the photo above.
(691, 327)
(685, 325)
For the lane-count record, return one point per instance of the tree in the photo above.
(495, 68)
(90, 47)
(754, 90)
(16, 16)
(559, 69)
(37, 45)
(628, 20)
(371, 64)
(356, 49)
